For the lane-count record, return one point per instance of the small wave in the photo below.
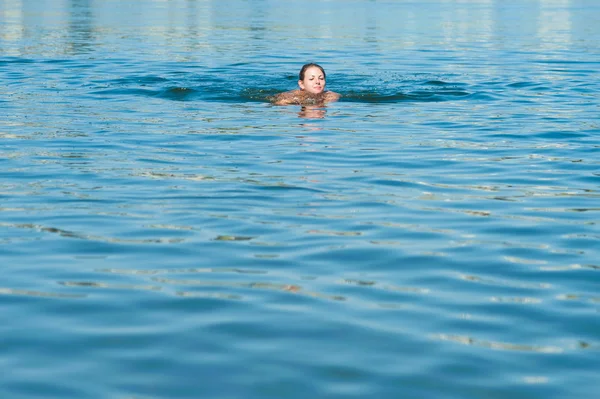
(21, 292)
(126, 91)
(416, 96)
(15, 60)
(215, 85)
(522, 85)
(260, 95)
(140, 79)
(178, 93)
(505, 346)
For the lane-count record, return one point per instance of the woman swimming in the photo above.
(311, 80)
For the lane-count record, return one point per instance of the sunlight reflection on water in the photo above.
(166, 232)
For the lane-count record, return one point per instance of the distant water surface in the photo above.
(165, 232)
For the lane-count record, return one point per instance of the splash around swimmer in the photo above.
(311, 81)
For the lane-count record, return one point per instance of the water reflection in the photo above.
(80, 26)
(185, 25)
(312, 112)
(555, 23)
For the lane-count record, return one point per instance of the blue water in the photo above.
(165, 232)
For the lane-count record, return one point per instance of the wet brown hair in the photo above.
(306, 66)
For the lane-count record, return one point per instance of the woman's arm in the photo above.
(287, 98)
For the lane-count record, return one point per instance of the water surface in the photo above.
(165, 232)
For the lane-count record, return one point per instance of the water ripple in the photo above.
(507, 346)
(162, 220)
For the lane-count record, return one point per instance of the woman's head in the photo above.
(312, 78)
(311, 65)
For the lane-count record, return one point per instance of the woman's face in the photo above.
(314, 81)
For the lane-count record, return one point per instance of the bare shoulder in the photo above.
(331, 96)
(299, 97)
(287, 98)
